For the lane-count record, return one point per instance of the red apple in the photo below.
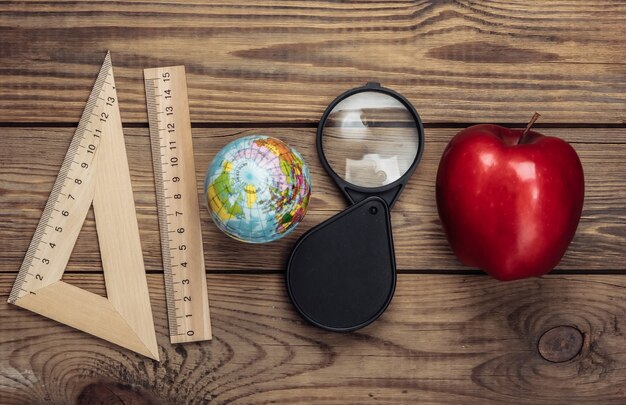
(509, 204)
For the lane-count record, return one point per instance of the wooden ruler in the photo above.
(177, 201)
(95, 170)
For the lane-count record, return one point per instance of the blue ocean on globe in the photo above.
(257, 188)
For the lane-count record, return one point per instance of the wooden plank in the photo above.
(443, 339)
(284, 62)
(420, 243)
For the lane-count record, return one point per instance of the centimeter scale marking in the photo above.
(177, 201)
(47, 248)
(94, 172)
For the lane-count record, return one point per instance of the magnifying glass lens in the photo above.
(370, 139)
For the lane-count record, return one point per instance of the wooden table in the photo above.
(451, 334)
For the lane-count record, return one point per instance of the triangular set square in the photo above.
(95, 171)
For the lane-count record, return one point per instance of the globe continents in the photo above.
(257, 189)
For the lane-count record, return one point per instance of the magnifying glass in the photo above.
(341, 275)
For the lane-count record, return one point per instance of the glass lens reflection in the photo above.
(370, 139)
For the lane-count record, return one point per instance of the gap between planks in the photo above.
(420, 272)
(314, 124)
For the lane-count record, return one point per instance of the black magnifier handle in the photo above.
(390, 196)
(341, 275)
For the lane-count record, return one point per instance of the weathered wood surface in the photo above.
(419, 240)
(457, 61)
(451, 335)
(461, 339)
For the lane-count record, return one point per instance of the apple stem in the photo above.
(532, 121)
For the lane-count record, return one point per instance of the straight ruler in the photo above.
(177, 201)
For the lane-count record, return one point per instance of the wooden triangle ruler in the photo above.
(95, 171)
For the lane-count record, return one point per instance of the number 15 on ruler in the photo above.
(177, 201)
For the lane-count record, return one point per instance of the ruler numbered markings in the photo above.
(94, 171)
(178, 208)
(70, 198)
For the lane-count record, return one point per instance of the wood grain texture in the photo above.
(457, 61)
(95, 173)
(97, 315)
(453, 336)
(443, 339)
(419, 240)
(561, 343)
(177, 204)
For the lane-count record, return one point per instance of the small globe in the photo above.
(257, 189)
